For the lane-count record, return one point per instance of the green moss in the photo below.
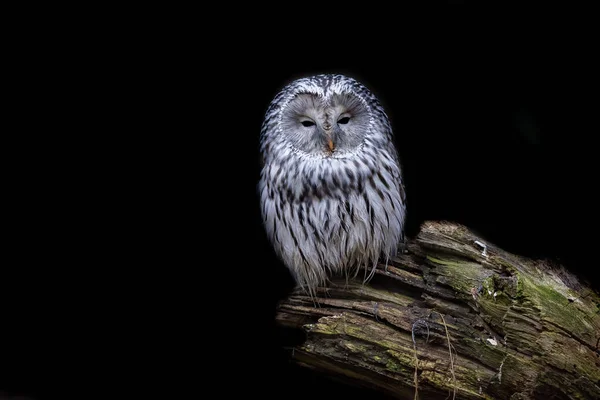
(505, 264)
(438, 379)
(444, 262)
(323, 329)
(356, 331)
(392, 366)
(488, 285)
(494, 309)
(461, 275)
(554, 306)
(550, 294)
(355, 348)
(467, 381)
(403, 357)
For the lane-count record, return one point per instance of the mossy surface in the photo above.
(506, 327)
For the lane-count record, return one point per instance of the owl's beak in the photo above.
(330, 144)
(328, 134)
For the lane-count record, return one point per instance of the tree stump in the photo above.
(454, 317)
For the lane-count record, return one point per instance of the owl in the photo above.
(331, 188)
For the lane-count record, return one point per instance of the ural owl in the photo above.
(331, 189)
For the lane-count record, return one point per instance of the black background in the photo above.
(142, 265)
(494, 133)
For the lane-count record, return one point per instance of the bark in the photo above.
(450, 320)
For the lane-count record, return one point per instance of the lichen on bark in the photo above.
(517, 328)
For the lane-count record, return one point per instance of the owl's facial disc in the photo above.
(325, 126)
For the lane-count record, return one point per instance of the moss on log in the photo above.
(454, 317)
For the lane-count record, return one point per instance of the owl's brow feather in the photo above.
(350, 102)
(305, 101)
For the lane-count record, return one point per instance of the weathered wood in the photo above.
(485, 326)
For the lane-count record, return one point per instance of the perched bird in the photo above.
(331, 189)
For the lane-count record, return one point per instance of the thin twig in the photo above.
(451, 357)
(416, 378)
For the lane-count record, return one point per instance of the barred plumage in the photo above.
(331, 190)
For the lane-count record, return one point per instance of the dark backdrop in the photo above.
(139, 264)
(492, 122)
(491, 135)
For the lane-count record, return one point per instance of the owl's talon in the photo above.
(403, 246)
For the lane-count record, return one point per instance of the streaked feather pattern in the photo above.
(328, 212)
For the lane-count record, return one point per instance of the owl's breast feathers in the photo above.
(331, 215)
(301, 179)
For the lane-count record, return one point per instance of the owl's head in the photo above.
(324, 116)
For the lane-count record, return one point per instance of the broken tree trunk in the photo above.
(453, 317)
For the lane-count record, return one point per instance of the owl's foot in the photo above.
(402, 249)
(403, 246)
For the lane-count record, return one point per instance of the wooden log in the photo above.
(454, 317)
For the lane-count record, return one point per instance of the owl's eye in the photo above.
(344, 120)
(307, 123)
